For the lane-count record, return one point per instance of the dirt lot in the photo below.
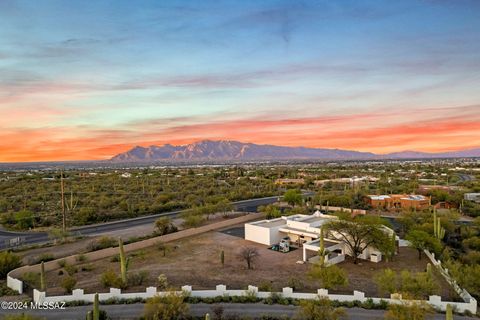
(196, 261)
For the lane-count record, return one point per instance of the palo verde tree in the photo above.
(293, 197)
(359, 233)
(421, 240)
(330, 277)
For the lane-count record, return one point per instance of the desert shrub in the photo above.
(193, 221)
(81, 258)
(87, 267)
(276, 298)
(115, 258)
(164, 226)
(137, 279)
(68, 283)
(62, 263)
(141, 254)
(32, 279)
(8, 262)
(44, 257)
(110, 279)
(70, 269)
(6, 291)
(265, 286)
(295, 283)
(162, 282)
(102, 243)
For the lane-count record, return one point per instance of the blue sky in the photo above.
(87, 79)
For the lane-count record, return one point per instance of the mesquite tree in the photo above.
(358, 234)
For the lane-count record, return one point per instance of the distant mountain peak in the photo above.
(235, 150)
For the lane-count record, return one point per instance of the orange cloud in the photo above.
(367, 132)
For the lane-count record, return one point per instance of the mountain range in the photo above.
(233, 150)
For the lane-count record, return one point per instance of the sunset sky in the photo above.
(82, 80)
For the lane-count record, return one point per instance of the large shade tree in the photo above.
(358, 233)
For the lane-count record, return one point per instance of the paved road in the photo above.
(466, 177)
(90, 230)
(134, 311)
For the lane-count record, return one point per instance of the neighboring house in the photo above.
(304, 231)
(288, 181)
(126, 175)
(426, 188)
(444, 205)
(351, 181)
(327, 208)
(475, 197)
(398, 201)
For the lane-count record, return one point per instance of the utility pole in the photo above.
(64, 220)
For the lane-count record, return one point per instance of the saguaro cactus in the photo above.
(222, 258)
(123, 262)
(394, 244)
(321, 251)
(96, 308)
(43, 282)
(438, 230)
(429, 269)
(449, 312)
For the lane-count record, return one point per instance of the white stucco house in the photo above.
(304, 232)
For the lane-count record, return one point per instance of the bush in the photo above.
(110, 279)
(70, 269)
(137, 279)
(193, 221)
(276, 298)
(162, 282)
(87, 267)
(62, 263)
(164, 226)
(6, 291)
(8, 262)
(32, 279)
(44, 257)
(368, 304)
(68, 283)
(102, 243)
(295, 284)
(115, 258)
(265, 286)
(81, 258)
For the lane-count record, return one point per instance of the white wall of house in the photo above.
(264, 235)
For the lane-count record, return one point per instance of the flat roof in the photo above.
(316, 243)
(383, 197)
(299, 232)
(270, 223)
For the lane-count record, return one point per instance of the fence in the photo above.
(464, 294)
(14, 275)
(221, 291)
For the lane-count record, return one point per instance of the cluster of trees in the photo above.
(417, 285)
(457, 245)
(30, 201)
